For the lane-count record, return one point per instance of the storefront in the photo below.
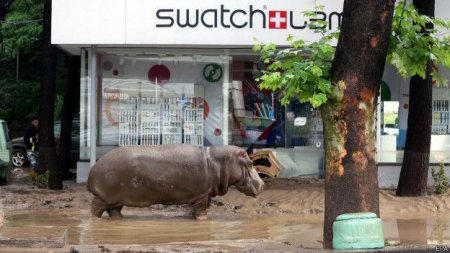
(183, 72)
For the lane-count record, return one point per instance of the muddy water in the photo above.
(141, 229)
(153, 229)
(430, 231)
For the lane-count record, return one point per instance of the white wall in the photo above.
(134, 22)
(388, 176)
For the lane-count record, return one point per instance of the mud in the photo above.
(287, 215)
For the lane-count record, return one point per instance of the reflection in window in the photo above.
(390, 118)
(254, 111)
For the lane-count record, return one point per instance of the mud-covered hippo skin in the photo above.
(169, 174)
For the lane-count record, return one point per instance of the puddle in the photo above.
(431, 231)
(134, 229)
(137, 228)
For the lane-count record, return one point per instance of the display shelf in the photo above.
(150, 125)
(128, 125)
(171, 120)
(441, 117)
(193, 126)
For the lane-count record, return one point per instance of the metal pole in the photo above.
(93, 106)
(17, 66)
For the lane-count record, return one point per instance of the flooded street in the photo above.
(289, 213)
(139, 228)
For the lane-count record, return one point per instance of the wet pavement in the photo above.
(59, 228)
(67, 228)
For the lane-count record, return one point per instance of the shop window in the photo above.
(303, 126)
(390, 118)
(255, 116)
(155, 99)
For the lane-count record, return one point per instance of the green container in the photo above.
(358, 231)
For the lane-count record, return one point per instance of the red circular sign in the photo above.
(159, 74)
(406, 106)
(199, 101)
(217, 132)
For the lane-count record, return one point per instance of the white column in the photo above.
(378, 129)
(93, 106)
(226, 95)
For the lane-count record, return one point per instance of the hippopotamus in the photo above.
(170, 174)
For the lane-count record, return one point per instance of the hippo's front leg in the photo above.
(115, 212)
(200, 207)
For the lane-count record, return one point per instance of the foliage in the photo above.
(303, 71)
(21, 32)
(18, 100)
(440, 179)
(58, 105)
(40, 180)
(412, 45)
(22, 27)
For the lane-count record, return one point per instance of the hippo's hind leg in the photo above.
(200, 207)
(98, 206)
(115, 212)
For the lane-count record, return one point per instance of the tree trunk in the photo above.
(47, 149)
(414, 173)
(69, 110)
(351, 177)
(4, 4)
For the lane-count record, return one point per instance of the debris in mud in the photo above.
(237, 207)
(103, 248)
(217, 202)
(267, 204)
(140, 251)
(47, 202)
(74, 250)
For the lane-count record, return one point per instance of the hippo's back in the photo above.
(144, 175)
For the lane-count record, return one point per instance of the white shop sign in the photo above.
(186, 22)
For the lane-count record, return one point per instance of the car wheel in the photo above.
(19, 158)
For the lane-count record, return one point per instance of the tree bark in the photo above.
(69, 110)
(47, 149)
(351, 177)
(414, 173)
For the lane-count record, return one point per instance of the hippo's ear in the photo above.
(243, 158)
(241, 153)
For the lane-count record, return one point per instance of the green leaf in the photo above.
(257, 47)
(316, 71)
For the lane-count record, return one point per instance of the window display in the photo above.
(171, 120)
(193, 122)
(441, 117)
(150, 121)
(128, 125)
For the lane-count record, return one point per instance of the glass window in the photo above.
(440, 125)
(153, 97)
(254, 113)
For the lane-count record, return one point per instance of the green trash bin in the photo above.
(358, 231)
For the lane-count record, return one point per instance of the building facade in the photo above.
(183, 72)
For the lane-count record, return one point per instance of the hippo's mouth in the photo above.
(248, 190)
(251, 186)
